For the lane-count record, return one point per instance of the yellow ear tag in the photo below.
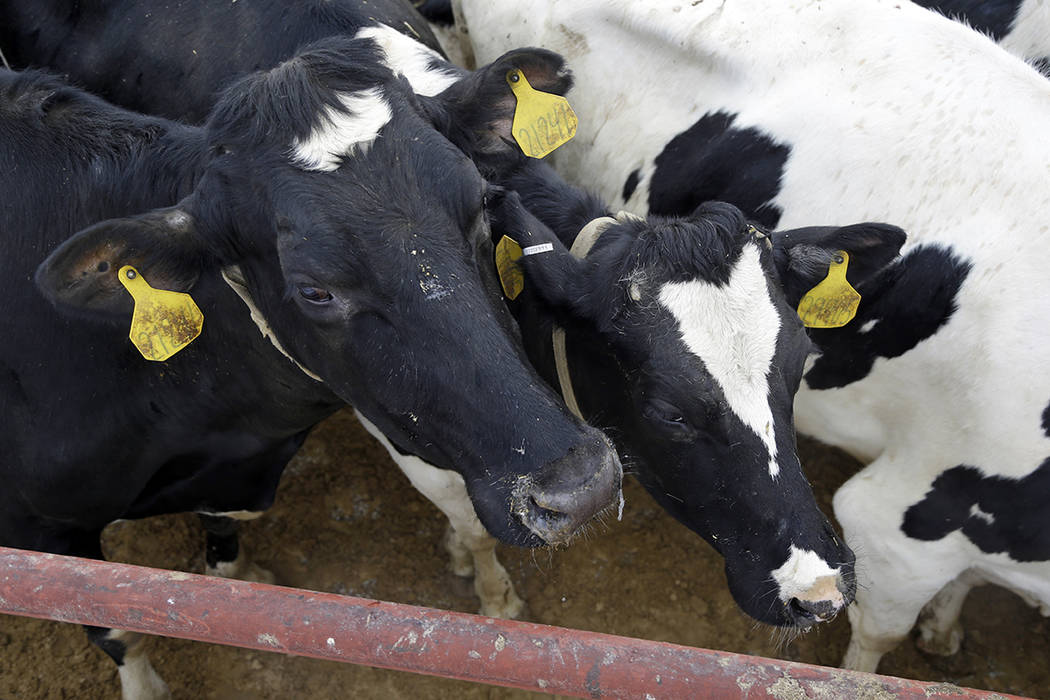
(832, 303)
(542, 121)
(508, 252)
(163, 322)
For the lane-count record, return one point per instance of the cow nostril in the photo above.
(554, 526)
(805, 613)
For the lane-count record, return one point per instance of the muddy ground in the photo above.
(347, 521)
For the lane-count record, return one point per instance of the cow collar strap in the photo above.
(235, 279)
(585, 240)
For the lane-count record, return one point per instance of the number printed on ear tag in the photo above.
(832, 303)
(542, 121)
(511, 278)
(163, 322)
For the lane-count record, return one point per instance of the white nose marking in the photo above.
(806, 576)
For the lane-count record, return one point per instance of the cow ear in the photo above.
(804, 255)
(81, 274)
(476, 112)
(552, 272)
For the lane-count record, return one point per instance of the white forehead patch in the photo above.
(733, 329)
(339, 133)
(406, 56)
(801, 573)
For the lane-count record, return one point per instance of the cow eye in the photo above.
(668, 418)
(315, 295)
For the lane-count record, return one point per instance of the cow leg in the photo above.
(224, 555)
(446, 490)
(462, 561)
(492, 583)
(138, 680)
(885, 610)
(898, 575)
(940, 632)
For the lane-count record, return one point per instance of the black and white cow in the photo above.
(873, 110)
(318, 205)
(1022, 27)
(679, 336)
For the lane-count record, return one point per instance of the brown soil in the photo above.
(347, 521)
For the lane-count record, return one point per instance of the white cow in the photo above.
(843, 111)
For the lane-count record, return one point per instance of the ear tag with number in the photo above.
(511, 278)
(832, 303)
(542, 121)
(163, 322)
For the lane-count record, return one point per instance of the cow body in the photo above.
(1019, 26)
(859, 111)
(173, 59)
(340, 246)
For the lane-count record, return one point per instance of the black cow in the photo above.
(173, 59)
(353, 250)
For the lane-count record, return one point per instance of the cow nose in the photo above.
(557, 501)
(822, 602)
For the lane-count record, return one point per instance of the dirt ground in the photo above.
(347, 521)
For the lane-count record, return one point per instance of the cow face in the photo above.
(352, 226)
(699, 356)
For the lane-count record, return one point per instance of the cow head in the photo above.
(353, 226)
(688, 350)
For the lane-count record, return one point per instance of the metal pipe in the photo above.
(410, 638)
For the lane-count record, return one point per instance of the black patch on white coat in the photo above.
(908, 301)
(631, 184)
(712, 160)
(1018, 510)
(991, 17)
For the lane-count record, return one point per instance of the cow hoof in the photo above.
(940, 642)
(509, 607)
(259, 574)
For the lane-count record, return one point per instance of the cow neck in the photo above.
(235, 279)
(582, 245)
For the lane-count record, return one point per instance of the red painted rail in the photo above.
(409, 638)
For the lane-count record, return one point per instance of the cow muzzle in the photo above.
(559, 499)
(821, 602)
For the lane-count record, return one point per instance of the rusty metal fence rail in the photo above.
(409, 638)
